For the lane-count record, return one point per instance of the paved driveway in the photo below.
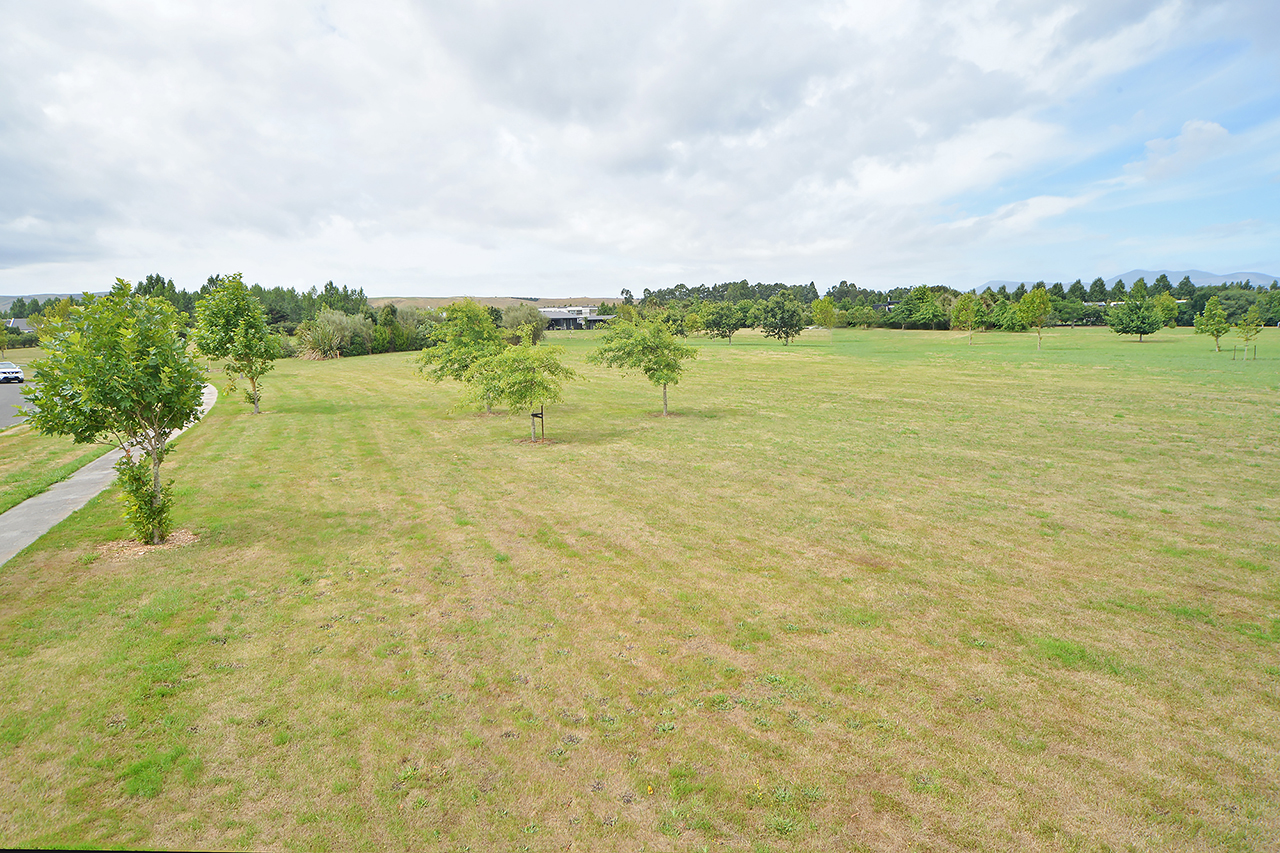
(10, 399)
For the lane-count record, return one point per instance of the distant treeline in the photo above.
(1074, 304)
(286, 308)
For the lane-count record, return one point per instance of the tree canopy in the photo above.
(1034, 310)
(781, 318)
(521, 376)
(466, 335)
(722, 319)
(524, 314)
(117, 372)
(645, 346)
(231, 324)
(1213, 321)
(964, 313)
(1134, 317)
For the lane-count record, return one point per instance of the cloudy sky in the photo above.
(556, 147)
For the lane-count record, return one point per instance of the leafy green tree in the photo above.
(781, 318)
(1034, 310)
(1077, 292)
(1249, 326)
(1161, 285)
(117, 372)
(521, 376)
(514, 317)
(693, 321)
(824, 312)
(862, 315)
(1134, 317)
(1186, 289)
(1166, 307)
(964, 313)
(1213, 321)
(1098, 290)
(1019, 292)
(647, 347)
(926, 311)
(1117, 292)
(232, 325)
(466, 335)
(722, 319)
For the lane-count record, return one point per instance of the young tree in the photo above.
(117, 372)
(466, 334)
(231, 324)
(1213, 321)
(781, 318)
(1134, 317)
(522, 376)
(1034, 310)
(824, 312)
(1249, 326)
(964, 314)
(1166, 307)
(647, 347)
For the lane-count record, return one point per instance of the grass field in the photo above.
(871, 591)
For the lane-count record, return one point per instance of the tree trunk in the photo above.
(533, 428)
(155, 493)
(253, 390)
(664, 399)
(971, 337)
(1037, 339)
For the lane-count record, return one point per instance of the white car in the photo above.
(10, 372)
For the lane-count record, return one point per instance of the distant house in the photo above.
(571, 317)
(20, 327)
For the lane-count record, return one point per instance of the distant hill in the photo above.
(1200, 278)
(6, 301)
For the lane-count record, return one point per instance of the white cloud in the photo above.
(410, 145)
(1199, 141)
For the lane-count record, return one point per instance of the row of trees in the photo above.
(471, 348)
(689, 310)
(118, 370)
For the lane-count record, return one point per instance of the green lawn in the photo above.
(876, 590)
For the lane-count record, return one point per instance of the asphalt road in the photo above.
(10, 399)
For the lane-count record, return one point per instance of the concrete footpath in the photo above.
(36, 516)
